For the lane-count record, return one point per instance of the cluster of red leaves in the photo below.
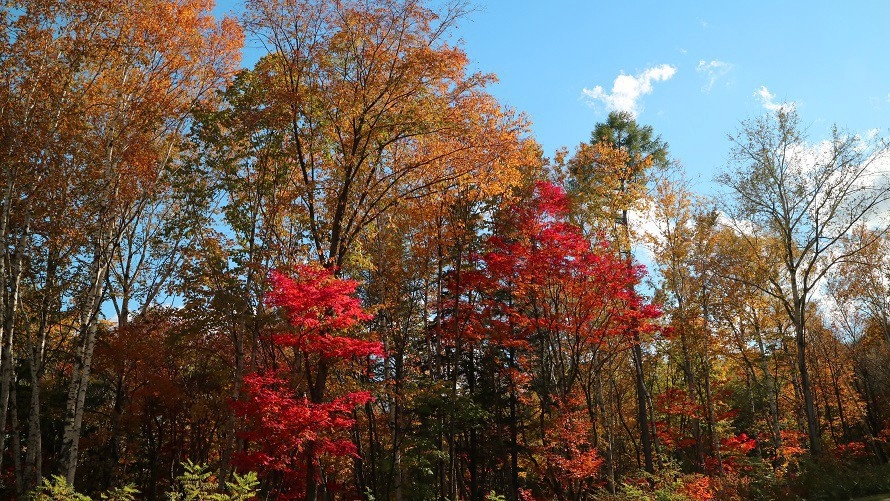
(288, 433)
(540, 276)
(677, 402)
(537, 256)
(739, 445)
(317, 306)
(282, 426)
(670, 436)
(852, 450)
(734, 450)
(526, 495)
(568, 453)
(792, 444)
(570, 462)
(698, 488)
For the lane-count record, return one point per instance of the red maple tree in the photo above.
(290, 422)
(550, 303)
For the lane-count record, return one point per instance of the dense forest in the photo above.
(349, 272)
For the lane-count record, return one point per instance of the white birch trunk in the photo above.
(6, 358)
(77, 389)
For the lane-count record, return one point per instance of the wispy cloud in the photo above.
(713, 70)
(768, 100)
(627, 90)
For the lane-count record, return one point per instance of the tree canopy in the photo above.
(349, 272)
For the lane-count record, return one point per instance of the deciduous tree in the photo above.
(293, 424)
(808, 198)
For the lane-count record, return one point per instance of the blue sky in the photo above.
(726, 61)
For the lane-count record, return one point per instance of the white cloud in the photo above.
(713, 70)
(627, 89)
(643, 224)
(875, 178)
(768, 100)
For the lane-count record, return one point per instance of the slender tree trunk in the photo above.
(7, 360)
(36, 351)
(514, 432)
(473, 459)
(656, 447)
(712, 421)
(770, 384)
(455, 364)
(872, 419)
(637, 358)
(317, 390)
(630, 434)
(371, 481)
(610, 432)
(691, 386)
(706, 362)
(397, 425)
(229, 438)
(16, 443)
(835, 381)
(4, 258)
(123, 320)
(439, 358)
(34, 453)
(642, 404)
(239, 333)
(86, 344)
(805, 385)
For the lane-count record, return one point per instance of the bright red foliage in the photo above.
(677, 402)
(735, 450)
(282, 425)
(317, 305)
(570, 457)
(289, 423)
(537, 256)
(698, 489)
(542, 293)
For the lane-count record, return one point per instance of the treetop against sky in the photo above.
(692, 70)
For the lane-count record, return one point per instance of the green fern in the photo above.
(198, 484)
(125, 493)
(56, 488)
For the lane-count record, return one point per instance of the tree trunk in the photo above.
(313, 468)
(712, 421)
(514, 432)
(772, 396)
(396, 420)
(33, 455)
(691, 386)
(642, 403)
(610, 432)
(16, 443)
(6, 359)
(77, 389)
(455, 364)
(36, 353)
(805, 386)
(238, 332)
